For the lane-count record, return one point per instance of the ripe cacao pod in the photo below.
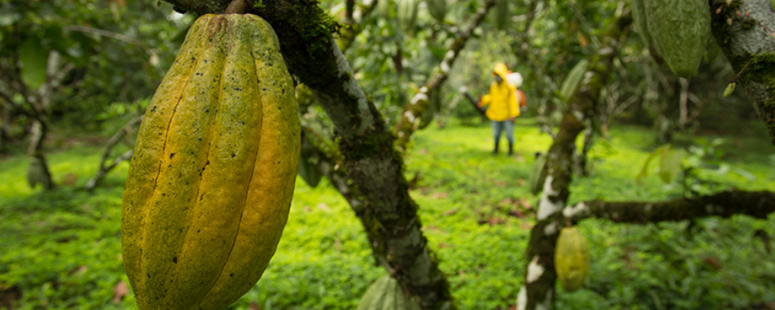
(679, 29)
(386, 294)
(573, 80)
(213, 171)
(407, 14)
(437, 9)
(571, 258)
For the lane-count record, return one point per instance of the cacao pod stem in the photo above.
(237, 7)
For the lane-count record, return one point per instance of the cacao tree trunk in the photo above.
(745, 30)
(538, 290)
(37, 171)
(5, 125)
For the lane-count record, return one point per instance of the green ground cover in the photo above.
(61, 250)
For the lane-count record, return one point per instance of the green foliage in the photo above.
(696, 172)
(62, 248)
(33, 59)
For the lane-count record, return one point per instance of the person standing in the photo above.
(503, 108)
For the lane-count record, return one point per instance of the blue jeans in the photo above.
(507, 126)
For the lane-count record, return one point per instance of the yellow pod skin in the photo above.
(213, 170)
(571, 258)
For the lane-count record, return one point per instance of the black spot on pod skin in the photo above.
(175, 259)
(172, 155)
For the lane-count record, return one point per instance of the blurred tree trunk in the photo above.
(745, 30)
(538, 290)
(5, 125)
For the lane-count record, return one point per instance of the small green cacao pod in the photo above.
(386, 294)
(679, 29)
(383, 8)
(213, 171)
(538, 174)
(573, 81)
(437, 9)
(500, 14)
(434, 105)
(407, 14)
(571, 258)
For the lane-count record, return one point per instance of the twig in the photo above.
(103, 170)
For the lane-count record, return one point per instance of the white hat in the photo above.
(514, 79)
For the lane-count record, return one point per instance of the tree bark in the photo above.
(538, 291)
(420, 102)
(745, 30)
(724, 204)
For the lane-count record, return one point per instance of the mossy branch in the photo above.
(743, 29)
(419, 103)
(724, 204)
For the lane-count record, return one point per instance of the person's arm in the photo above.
(485, 100)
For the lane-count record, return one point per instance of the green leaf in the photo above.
(33, 59)
(745, 174)
(644, 172)
(670, 164)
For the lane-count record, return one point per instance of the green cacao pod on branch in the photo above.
(573, 81)
(640, 20)
(571, 258)
(407, 14)
(679, 29)
(437, 9)
(213, 171)
(386, 294)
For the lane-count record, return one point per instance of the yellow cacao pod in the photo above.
(571, 258)
(213, 170)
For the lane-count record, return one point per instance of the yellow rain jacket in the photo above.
(501, 99)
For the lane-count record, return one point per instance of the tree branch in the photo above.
(723, 204)
(419, 103)
(109, 34)
(743, 30)
(103, 170)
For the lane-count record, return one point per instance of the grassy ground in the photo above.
(61, 250)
